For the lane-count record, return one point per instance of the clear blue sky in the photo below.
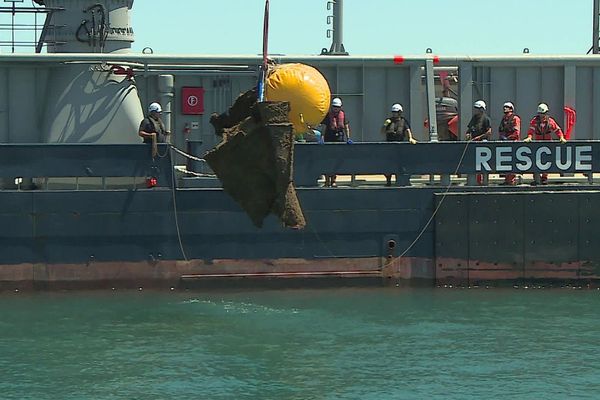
(372, 27)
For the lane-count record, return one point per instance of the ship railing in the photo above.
(438, 163)
(29, 32)
(460, 161)
(83, 166)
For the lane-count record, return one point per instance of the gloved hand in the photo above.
(562, 139)
(318, 136)
(349, 141)
(528, 139)
(412, 141)
(387, 122)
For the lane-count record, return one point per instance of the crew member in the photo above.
(479, 128)
(337, 129)
(542, 127)
(152, 129)
(396, 129)
(510, 129)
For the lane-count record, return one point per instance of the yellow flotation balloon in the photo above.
(304, 88)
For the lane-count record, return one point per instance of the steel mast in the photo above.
(596, 36)
(337, 31)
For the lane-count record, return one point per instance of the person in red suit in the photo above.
(510, 129)
(543, 127)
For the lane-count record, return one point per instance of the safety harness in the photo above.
(508, 127)
(395, 131)
(336, 121)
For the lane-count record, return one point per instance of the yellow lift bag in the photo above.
(304, 88)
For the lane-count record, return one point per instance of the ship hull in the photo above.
(200, 237)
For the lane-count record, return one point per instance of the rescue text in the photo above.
(523, 159)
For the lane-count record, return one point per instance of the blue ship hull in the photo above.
(430, 234)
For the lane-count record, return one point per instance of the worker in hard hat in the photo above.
(510, 129)
(542, 127)
(337, 125)
(337, 129)
(480, 127)
(396, 128)
(152, 129)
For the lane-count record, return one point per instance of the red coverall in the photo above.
(543, 130)
(510, 129)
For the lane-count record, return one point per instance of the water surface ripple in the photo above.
(301, 344)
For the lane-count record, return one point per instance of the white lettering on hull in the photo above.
(522, 159)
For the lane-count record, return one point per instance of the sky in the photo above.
(372, 27)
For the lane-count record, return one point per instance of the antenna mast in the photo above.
(337, 32)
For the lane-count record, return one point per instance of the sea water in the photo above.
(371, 343)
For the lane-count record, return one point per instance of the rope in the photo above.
(410, 246)
(185, 171)
(434, 211)
(173, 184)
(424, 227)
(175, 214)
(154, 146)
(183, 153)
(155, 152)
(321, 241)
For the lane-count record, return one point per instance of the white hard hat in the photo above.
(480, 104)
(336, 102)
(154, 107)
(397, 108)
(509, 105)
(542, 108)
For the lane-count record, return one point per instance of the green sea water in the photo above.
(372, 343)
